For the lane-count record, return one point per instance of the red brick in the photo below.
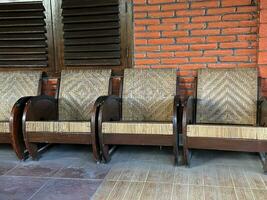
(147, 48)
(205, 4)
(262, 58)
(203, 59)
(147, 34)
(222, 65)
(262, 44)
(217, 11)
(263, 30)
(232, 24)
(232, 31)
(236, 2)
(139, 28)
(183, 73)
(217, 52)
(161, 14)
(176, 20)
(206, 18)
(188, 53)
(161, 41)
(136, 2)
(165, 66)
(140, 15)
(146, 21)
(147, 61)
(174, 60)
(205, 32)
(263, 16)
(245, 52)
(190, 40)
(192, 66)
(190, 12)
(263, 72)
(174, 33)
(161, 27)
(221, 38)
(175, 6)
(263, 4)
(234, 59)
(146, 8)
(174, 47)
(160, 55)
(140, 41)
(192, 26)
(247, 9)
(234, 45)
(252, 37)
(187, 80)
(140, 55)
(235, 17)
(203, 46)
(160, 1)
(246, 65)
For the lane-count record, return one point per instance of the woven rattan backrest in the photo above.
(148, 94)
(227, 96)
(78, 92)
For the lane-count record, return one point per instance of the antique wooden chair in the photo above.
(70, 118)
(16, 88)
(145, 115)
(226, 113)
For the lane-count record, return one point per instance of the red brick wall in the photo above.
(196, 34)
(262, 53)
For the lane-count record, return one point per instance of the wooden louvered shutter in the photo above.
(91, 32)
(22, 35)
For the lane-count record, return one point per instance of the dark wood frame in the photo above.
(245, 145)
(15, 136)
(45, 108)
(111, 109)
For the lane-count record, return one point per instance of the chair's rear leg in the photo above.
(105, 153)
(265, 164)
(186, 156)
(32, 149)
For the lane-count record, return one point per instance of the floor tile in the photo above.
(59, 189)
(88, 172)
(180, 192)
(104, 190)
(19, 188)
(7, 166)
(134, 191)
(35, 169)
(244, 194)
(220, 193)
(196, 192)
(259, 194)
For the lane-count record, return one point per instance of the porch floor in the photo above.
(68, 172)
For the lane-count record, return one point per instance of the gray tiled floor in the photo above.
(68, 172)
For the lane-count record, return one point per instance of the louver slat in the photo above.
(23, 42)
(91, 32)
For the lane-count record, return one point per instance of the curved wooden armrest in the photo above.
(41, 108)
(188, 113)
(262, 111)
(15, 124)
(110, 109)
(176, 112)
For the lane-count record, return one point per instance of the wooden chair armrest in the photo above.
(110, 109)
(41, 108)
(15, 124)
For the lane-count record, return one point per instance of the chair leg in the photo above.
(186, 156)
(105, 153)
(32, 149)
(265, 164)
(176, 155)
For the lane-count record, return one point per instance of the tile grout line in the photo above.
(144, 184)
(43, 186)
